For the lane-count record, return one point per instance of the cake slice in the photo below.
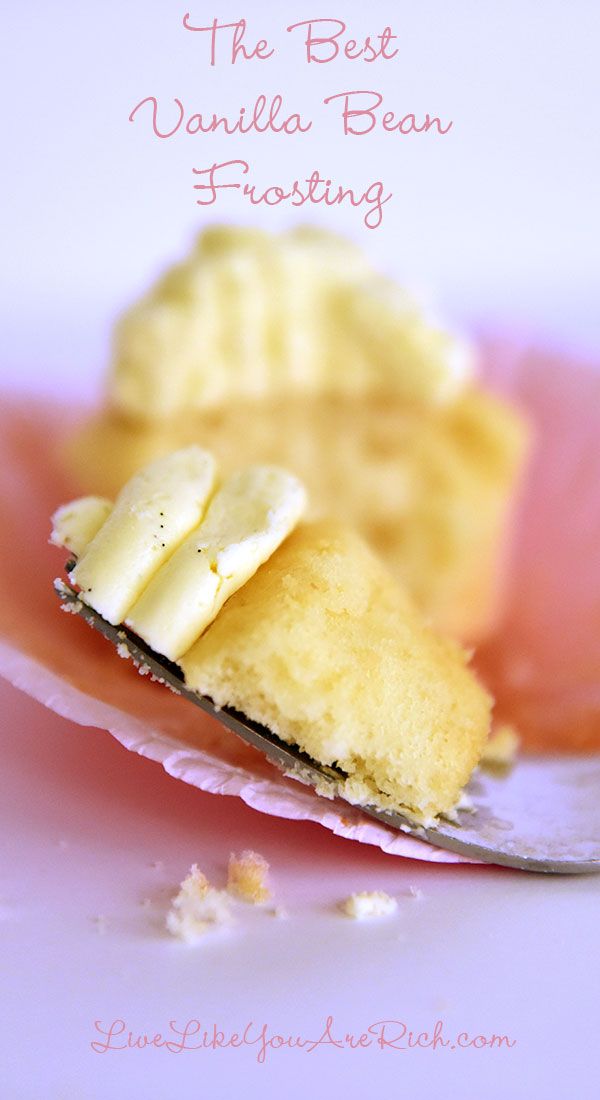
(325, 649)
(301, 628)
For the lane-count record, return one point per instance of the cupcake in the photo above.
(292, 350)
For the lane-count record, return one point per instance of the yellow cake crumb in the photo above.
(246, 877)
(369, 904)
(197, 907)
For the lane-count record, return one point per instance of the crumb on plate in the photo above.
(368, 904)
(197, 907)
(246, 877)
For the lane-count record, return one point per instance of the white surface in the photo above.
(500, 216)
(89, 831)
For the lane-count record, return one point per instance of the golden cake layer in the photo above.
(324, 648)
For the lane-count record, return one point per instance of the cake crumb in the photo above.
(416, 893)
(72, 608)
(101, 924)
(501, 747)
(368, 904)
(246, 877)
(197, 907)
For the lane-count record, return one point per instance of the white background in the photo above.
(500, 218)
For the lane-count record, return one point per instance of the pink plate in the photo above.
(543, 664)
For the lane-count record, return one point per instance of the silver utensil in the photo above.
(541, 814)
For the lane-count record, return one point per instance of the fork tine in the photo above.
(515, 819)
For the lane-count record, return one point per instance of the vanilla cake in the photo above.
(292, 350)
(324, 648)
(301, 628)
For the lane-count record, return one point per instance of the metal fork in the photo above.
(541, 814)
